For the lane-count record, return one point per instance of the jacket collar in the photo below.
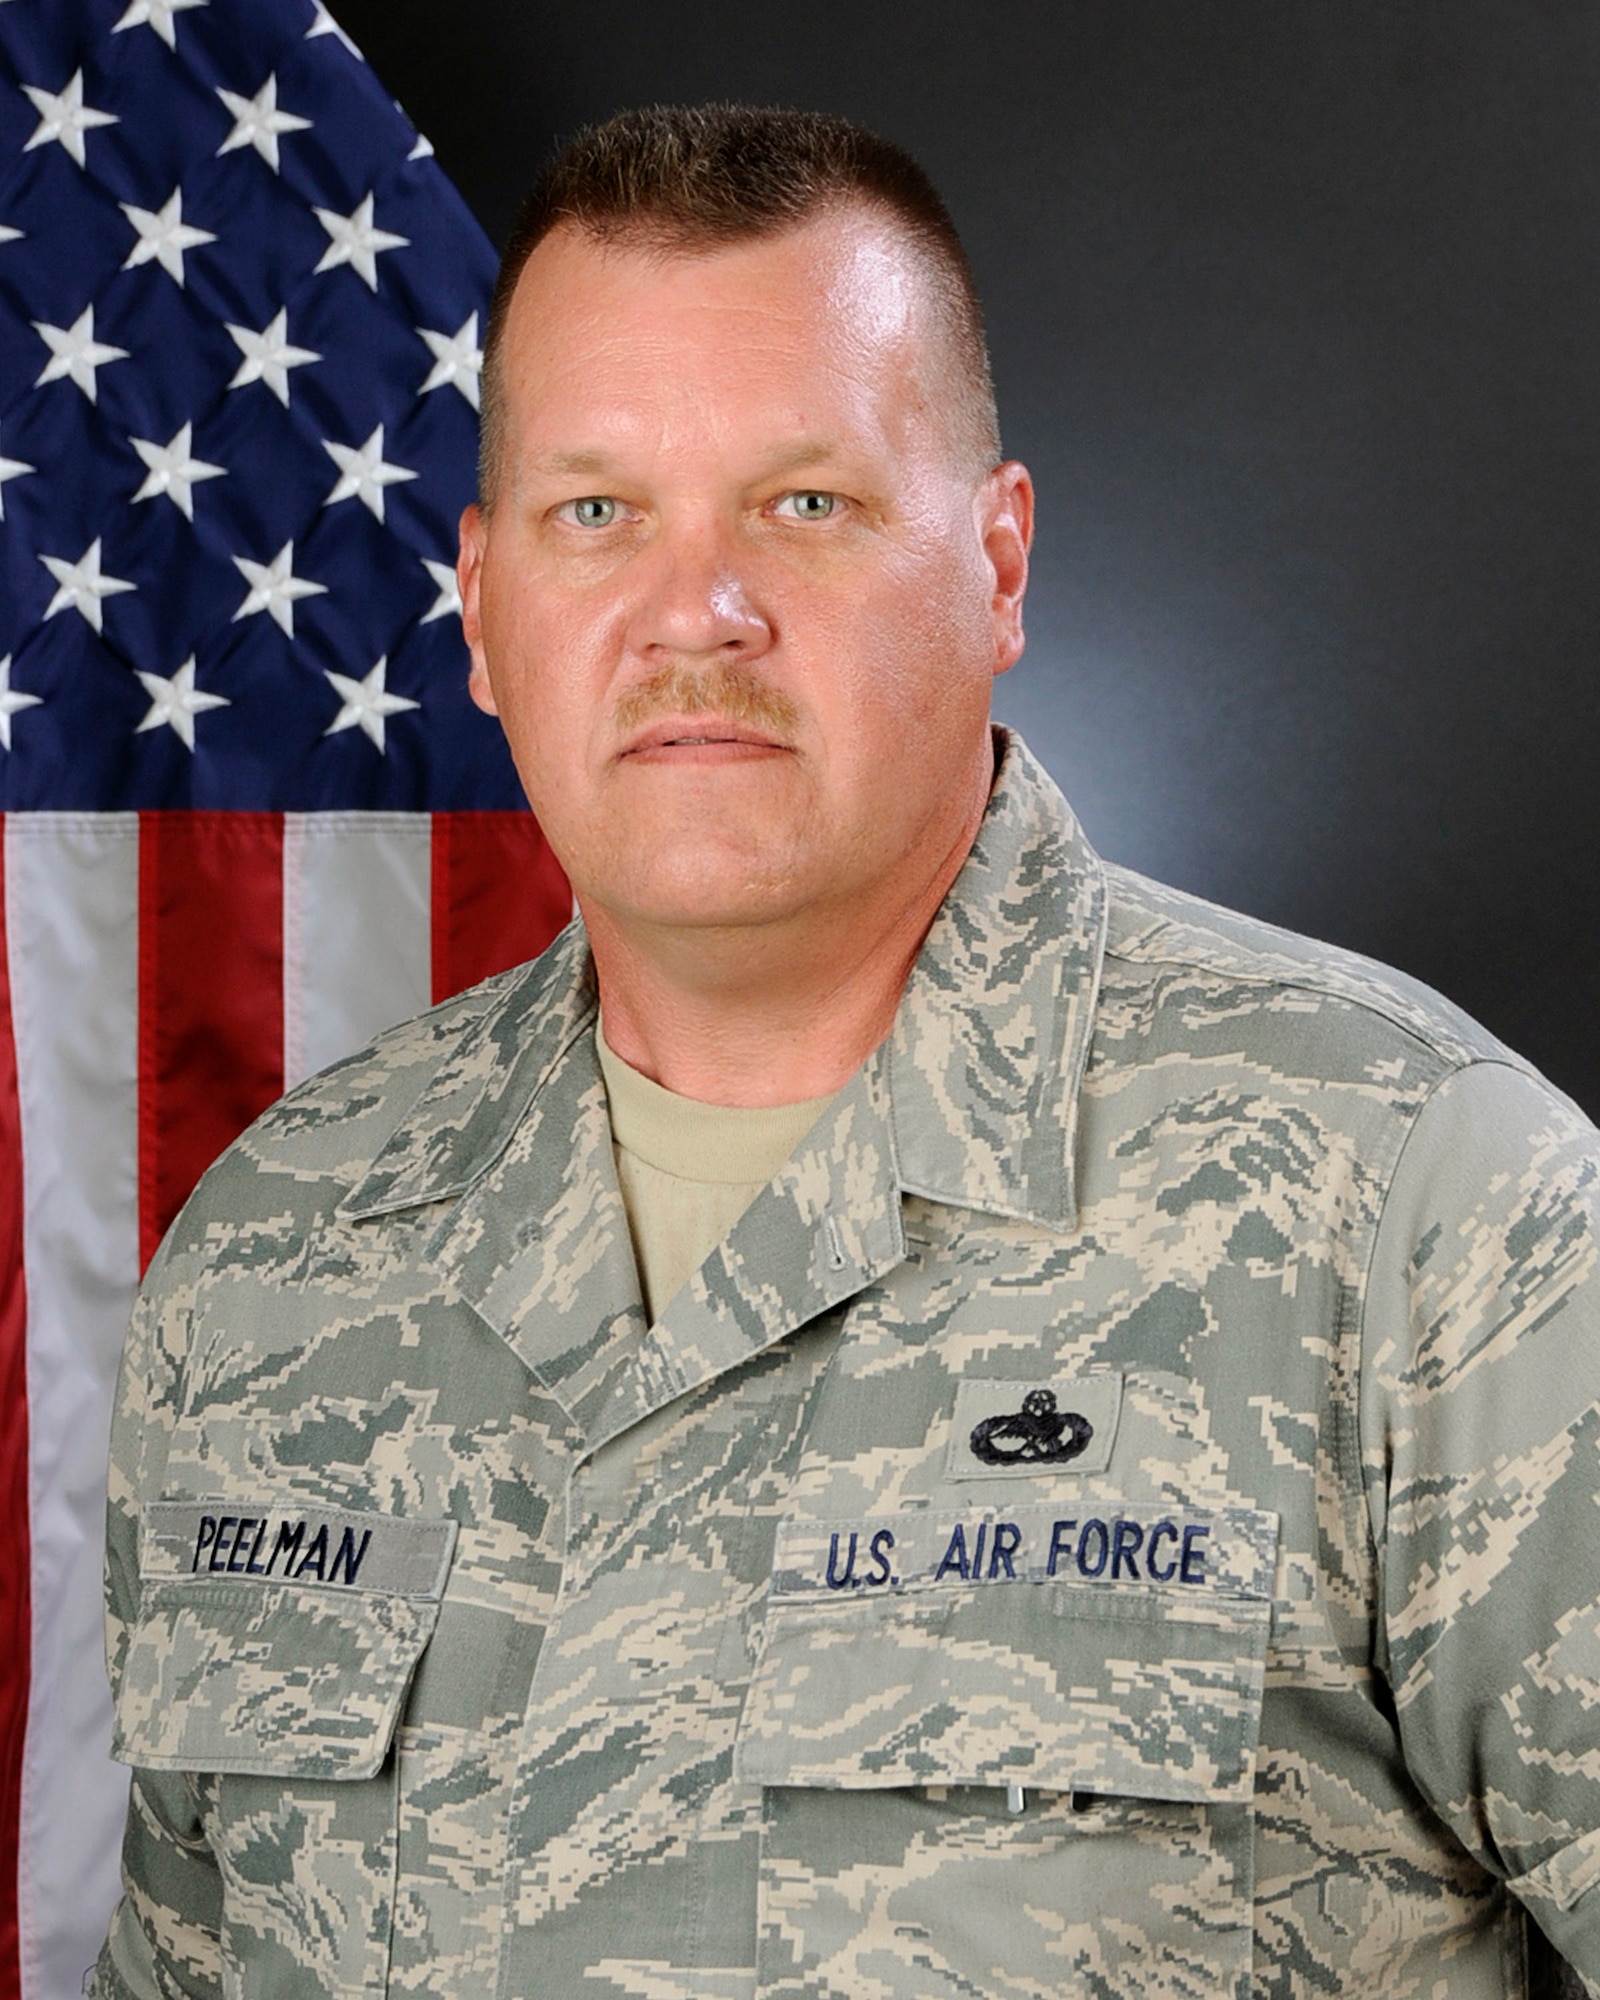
(983, 1069)
(987, 1056)
(472, 1107)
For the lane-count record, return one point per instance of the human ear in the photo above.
(1005, 522)
(469, 575)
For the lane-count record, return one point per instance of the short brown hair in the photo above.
(687, 178)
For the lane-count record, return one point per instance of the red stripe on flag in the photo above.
(16, 1632)
(210, 995)
(499, 896)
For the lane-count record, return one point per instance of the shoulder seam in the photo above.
(1450, 1048)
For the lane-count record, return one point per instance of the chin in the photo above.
(749, 911)
(708, 898)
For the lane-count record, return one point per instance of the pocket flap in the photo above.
(914, 1671)
(297, 1671)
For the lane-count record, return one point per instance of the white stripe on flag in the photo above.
(356, 951)
(72, 900)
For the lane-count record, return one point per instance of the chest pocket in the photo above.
(911, 1697)
(277, 1689)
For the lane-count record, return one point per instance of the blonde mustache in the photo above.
(728, 689)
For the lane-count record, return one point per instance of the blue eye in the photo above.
(808, 506)
(594, 511)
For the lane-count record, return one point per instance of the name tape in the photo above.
(1228, 1551)
(232, 1541)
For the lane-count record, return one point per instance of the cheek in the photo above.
(912, 640)
(536, 659)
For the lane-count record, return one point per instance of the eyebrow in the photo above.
(596, 464)
(803, 452)
(564, 464)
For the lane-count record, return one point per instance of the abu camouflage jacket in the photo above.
(1120, 1515)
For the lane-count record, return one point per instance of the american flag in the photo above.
(250, 815)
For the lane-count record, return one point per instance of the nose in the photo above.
(697, 598)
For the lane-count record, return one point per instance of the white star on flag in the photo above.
(258, 122)
(422, 150)
(9, 235)
(366, 702)
(64, 118)
(176, 702)
(268, 357)
(11, 700)
(444, 581)
(163, 235)
(11, 468)
(325, 24)
(457, 359)
(155, 14)
(353, 240)
(274, 588)
(80, 586)
(74, 351)
(172, 470)
(363, 472)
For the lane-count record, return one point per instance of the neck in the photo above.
(765, 1014)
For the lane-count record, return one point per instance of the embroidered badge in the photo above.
(1011, 1430)
(1037, 1434)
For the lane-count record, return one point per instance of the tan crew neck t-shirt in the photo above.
(689, 1170)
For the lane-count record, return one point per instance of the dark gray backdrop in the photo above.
(1294, 314)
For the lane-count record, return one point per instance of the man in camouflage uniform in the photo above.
(1112, 1512)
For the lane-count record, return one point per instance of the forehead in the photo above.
(834, 310)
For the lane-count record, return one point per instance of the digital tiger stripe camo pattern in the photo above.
(1296, 1683)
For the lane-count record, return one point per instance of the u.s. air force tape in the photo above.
(243, 1541)
(1187, 1550)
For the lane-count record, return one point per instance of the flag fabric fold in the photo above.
(250, 815)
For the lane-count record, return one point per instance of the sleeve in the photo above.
(1480, 1427)
(165, 1933)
